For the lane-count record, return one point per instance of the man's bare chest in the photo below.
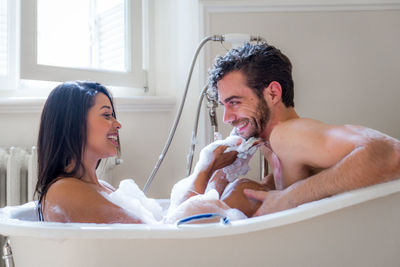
(285, 171)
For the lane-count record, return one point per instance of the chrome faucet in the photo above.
(7, 254)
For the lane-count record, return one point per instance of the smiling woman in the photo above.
(78, 128)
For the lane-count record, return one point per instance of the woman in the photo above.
(78, 128)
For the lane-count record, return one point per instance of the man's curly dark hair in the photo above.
(261, 64)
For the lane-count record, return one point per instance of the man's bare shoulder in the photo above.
(317, 144)
(294, 129)
(312, 142)
(306, 127)
(298, 123)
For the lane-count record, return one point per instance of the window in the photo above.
(8, 44)
(94, 39)
(99, 40)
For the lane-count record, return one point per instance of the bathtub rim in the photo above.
(10, 227)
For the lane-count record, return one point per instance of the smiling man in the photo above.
(309, 159)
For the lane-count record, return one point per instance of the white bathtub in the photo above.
(358, 228)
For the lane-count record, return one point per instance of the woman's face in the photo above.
(102, 129)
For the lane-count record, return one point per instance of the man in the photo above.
(310, 160)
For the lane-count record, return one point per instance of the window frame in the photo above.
(134, 77)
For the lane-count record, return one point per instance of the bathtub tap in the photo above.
(7, 254)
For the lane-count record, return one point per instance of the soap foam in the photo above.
(129, 197)
(245, 149)
(133, 200)
(240, 166)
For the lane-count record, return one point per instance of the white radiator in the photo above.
(18, 175)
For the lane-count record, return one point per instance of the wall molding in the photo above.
(26, 105)
(209, 7)
(218, 6)
(21, 105)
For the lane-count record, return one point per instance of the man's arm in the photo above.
(352, 157)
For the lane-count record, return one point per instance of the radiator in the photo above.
(18, 175)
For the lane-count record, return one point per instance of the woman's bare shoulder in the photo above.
(67, 185)
(70, 196)
(73, 200)
(66, 181)
(67, 190)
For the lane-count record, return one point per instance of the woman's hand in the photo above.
(217, 160)
(218, 182)
(222, 159)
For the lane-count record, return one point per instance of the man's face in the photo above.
(243, 109)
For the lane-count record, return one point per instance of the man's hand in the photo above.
(273, 201)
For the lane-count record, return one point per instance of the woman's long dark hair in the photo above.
(62, 132)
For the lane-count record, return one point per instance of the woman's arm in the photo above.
(197, 182)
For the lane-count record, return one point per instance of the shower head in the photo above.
(237, 39)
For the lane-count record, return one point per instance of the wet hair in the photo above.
(261, 64)
(63, 132)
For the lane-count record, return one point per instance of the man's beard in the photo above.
(263, 114)
(258, 122)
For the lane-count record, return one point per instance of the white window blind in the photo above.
(87, 34)
(3, 38)
(110, 33)
(99, 40)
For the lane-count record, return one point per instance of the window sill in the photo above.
(30, 96)
(20, 105)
